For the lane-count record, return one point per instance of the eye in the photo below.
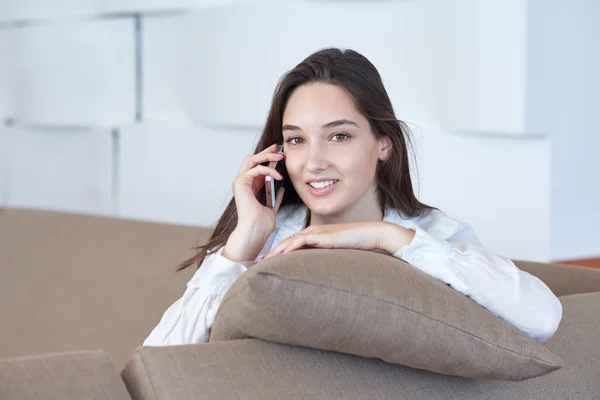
(294, 140)
(341, 136)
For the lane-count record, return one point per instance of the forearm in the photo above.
(245, 242)
(492, 281)
(393, 237)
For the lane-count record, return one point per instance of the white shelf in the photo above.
(75, 74)
(6, 73)
(165, 72)
(43, 11)
(15, 10)
(70, 171)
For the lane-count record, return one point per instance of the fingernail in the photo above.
(259, 259)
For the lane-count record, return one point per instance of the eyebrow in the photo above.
(331, 124)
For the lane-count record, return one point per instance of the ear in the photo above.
(385, 148)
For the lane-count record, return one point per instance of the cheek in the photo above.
(293, 169)
(367, 173)
(361, 168)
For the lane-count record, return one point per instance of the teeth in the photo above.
(320, 185)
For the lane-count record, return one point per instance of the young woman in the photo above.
(347, 185)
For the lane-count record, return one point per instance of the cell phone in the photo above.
(272, 186)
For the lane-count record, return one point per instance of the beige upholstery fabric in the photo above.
(71, 282)
(78, 375)
(253, 369)
(564, 279)
(374, 305)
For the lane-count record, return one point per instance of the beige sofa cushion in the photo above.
(373, 305)
(73, 375)
(253, 369)
(564, 280)
(71, 282)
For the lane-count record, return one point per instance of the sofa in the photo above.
(80, 293)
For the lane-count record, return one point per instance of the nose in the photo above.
(316, 158)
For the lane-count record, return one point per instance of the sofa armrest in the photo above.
(564, 280)
(72, 375)
(254, 369)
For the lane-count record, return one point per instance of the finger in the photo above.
(279, 199)
(299, 242)
(257, 159)
(307, 238)
(290, 244)
(264, 171)
(269, 149)
(277, 249)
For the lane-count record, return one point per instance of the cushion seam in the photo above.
(577, 294)
(148, 375)
(413, 311)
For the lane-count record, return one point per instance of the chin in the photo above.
(334, 204)
(325, 207)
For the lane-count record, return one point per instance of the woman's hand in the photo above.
(249, 180)
(255, 221)
(368, 235)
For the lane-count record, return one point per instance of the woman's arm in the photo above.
(450, 252)
(190, 318)
(493, 282)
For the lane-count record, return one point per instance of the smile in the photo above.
(320, 185)
(322, 188)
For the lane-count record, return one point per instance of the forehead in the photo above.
(318, 103)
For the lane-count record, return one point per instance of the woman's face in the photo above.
(330, 151)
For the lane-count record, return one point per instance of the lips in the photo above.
(324, 187)
(322, 183)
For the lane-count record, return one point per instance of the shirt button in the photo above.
(419, 259)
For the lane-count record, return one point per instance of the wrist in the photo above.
(252, 231)
(245, 242)
(394, 237)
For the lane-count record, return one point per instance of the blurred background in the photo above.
(144, 109)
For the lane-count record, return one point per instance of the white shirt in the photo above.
(444, 248)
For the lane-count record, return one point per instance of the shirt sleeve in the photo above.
(189, 319)
(494, 282)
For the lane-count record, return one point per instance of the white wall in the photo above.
(225, 93)
(6, 104)
(180, 173)
(505, 200)
(453, 70)
(482, 54)
(233, 74)
(564, 100)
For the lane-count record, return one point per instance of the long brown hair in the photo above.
(353, 72)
